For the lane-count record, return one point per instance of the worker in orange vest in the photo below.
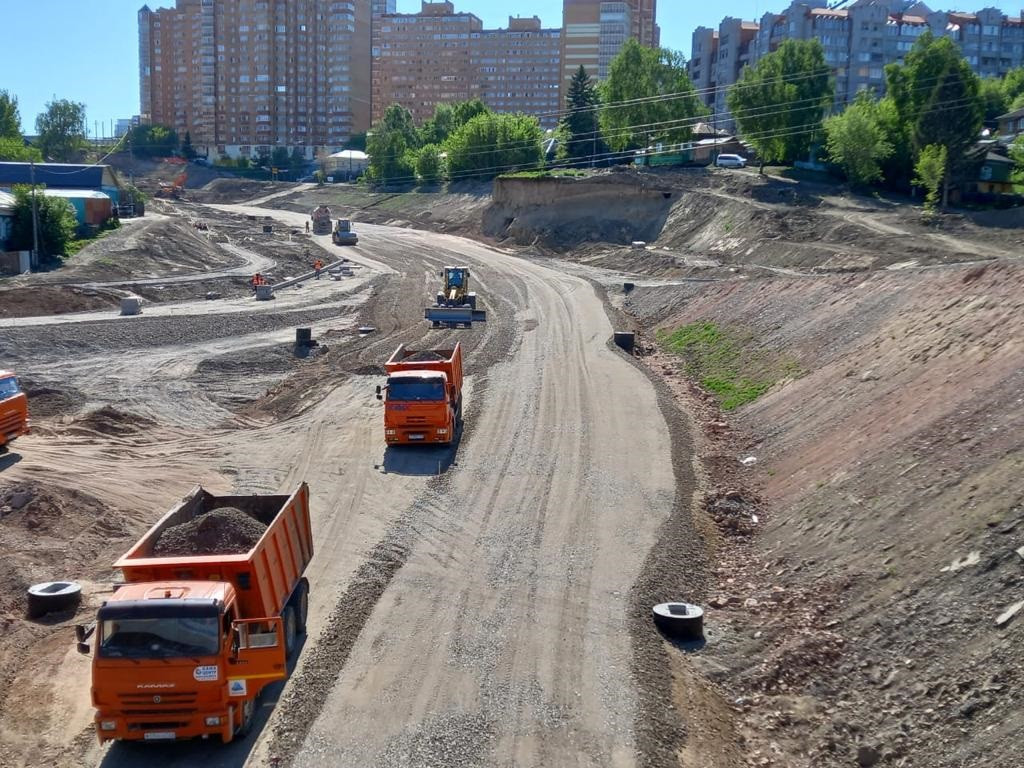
(257, 279)
(317, 266)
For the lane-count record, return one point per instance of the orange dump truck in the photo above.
(423, 395)
(13, 410)
(186, 645)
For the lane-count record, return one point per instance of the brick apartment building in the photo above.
(245, 75)
(593, 31)
(441, 56)
(859, 39)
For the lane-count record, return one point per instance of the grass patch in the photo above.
(554, 173)
(727, 363)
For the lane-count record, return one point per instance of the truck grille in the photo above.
(162, 725)
(10, 424)
(169, 703)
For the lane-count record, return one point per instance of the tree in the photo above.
(357, 141)
(154, 140)
(10, 118)
(279, 158)
(930, 172)
(262, 159)
(438, 128)
(14, 150)
(391, 145)
(493, 143)
(57, 222)
(187, 150)
(428, 164)
(993, 98)
(857, 141)
(580, 128)
(779, 104)
(1017, 103)
(1013, 85)
(937, 98)
(1017, 155)
(642, 73)
(61, 130)
(297, 161)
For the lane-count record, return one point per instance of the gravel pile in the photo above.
(223, 531)
(424, 357)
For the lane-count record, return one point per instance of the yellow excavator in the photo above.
(456, 304)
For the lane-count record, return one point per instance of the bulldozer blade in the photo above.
(454, 316)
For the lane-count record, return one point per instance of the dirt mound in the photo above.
(110, 421)
(236, 190)
(48, 402)
(887, 565)
(426, 356)
(221, 531)
(29, 301)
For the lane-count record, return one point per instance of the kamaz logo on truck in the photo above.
(144, 686)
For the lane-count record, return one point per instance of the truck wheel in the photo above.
(301, 608)
(458, 414)
(52, 596)
(440, 299)
(471, 300)
(248, 715)
(290, 632)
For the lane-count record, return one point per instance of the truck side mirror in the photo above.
(83, 648)
(236, 640)
(379, 396)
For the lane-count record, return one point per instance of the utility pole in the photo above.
(35, 217)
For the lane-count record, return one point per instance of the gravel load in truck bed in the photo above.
(222, 531)
(424, 357)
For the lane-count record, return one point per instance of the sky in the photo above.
(87, 50)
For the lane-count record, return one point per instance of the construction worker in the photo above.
(307, 227)
(317, 266)
(257, 279)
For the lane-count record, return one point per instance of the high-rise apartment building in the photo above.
(442, 56)
(859, 39)
(379, 9)
(593, 31)
(243, 76)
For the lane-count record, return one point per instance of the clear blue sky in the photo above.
(87, 50)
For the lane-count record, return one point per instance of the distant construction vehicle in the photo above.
(13, 410)
(423, 396)
(175, 188)
(209, 613)
(344, 234)
(455, 304)
(321, 217)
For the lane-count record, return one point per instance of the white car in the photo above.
(731, 161)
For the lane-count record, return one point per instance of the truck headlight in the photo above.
(213, 720)
(442, 431)
(108, 725)
(390, 432)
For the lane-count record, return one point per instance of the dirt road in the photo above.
(476, 617)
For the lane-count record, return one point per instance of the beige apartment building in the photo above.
(249, 75)
(440, 56)
(593, 31)
(859, 38)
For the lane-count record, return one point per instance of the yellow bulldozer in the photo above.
(455, 305)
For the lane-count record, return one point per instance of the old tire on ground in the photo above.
(681, 621)
(290, 631)
(52, 596)
(301, 607)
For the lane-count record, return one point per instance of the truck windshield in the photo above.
(8, 387)
(160, 638)
(416, 389)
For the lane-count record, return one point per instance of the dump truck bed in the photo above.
(263, 576)
(448, 361)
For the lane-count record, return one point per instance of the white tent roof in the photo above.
(350, 154)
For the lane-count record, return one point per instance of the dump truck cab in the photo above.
(13, 410)
(164, 651)
(422, 396)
